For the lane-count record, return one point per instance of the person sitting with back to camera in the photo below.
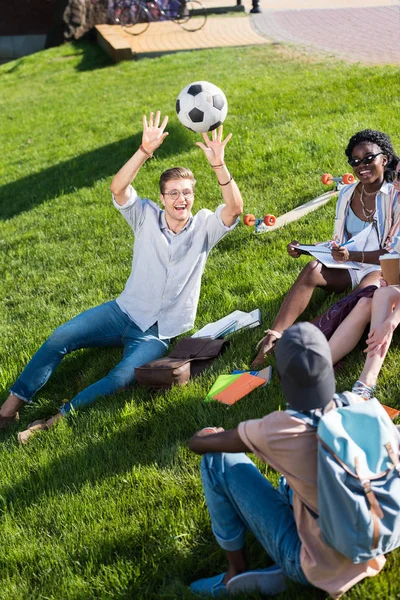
(368, 208)
(240, 498)
(161, 295)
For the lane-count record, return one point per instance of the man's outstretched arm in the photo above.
(153, 136)
(214, 151)
(216, 439)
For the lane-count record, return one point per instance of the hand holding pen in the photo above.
(340, 253)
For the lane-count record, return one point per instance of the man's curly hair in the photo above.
(380, 139)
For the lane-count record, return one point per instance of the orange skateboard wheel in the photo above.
(348, 178)
(327, 179)
(269, 220)
(249, 220)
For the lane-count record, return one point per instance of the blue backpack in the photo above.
(358, 477)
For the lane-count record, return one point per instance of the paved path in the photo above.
(366, 31)
(367, 34)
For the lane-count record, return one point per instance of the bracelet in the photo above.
(218, 166)
(230, 179)
(149, 154)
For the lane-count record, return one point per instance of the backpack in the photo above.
(358, 477)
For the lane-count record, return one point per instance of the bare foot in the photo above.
(33, 428)
(40, 425)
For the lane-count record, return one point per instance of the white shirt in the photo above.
(164, 284)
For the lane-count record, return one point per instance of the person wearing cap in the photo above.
(240, 498)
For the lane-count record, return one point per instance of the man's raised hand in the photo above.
(153, 133)
(214, 149)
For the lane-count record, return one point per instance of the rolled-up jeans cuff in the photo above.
(28, 401)
(65, 409)
(233, 544)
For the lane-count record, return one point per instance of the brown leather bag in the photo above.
(189, 358)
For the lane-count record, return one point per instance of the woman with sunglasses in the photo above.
(369, 207)
(383, 312)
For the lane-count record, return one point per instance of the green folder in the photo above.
(220, 384)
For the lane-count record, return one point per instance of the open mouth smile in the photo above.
(180, 207)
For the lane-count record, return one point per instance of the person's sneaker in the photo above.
(270, 581)
(212, 587)
(361, 389)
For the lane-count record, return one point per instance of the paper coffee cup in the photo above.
(390, 265)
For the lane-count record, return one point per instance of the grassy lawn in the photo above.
(109, 503)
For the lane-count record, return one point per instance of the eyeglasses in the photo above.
(174, 194)
(367, 160)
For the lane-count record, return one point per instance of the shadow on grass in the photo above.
(106, 454)
(83, 171)
(92, 56)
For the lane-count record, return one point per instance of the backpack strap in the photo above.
(376, 511)
(311, 417)
(393, 456)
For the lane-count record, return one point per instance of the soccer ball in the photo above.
(201, 106)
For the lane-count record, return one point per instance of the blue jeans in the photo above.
(240, 498)
(104, 325)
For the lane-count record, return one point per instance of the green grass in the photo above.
(109, 503)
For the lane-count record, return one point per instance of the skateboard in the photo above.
(270, 222)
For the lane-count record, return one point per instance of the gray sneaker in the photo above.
(270, 581)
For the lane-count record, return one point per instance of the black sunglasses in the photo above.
(367, 160)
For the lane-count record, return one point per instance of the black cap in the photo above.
(304, 364)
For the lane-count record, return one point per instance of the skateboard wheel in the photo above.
(249, 220)
(327, 179)
(348, 178)
(269, 220)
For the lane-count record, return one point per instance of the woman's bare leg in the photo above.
(350, 330)
(298, 297)
(383, 303)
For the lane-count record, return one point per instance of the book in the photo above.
(322, 252)
(228, 389)
(235, 321)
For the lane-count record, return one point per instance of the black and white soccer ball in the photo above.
(201, 106)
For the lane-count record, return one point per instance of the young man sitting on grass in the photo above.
(240, 498)
(161, 295)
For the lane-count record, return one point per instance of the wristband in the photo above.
(149, 154)
(230, 179)
(218, 166)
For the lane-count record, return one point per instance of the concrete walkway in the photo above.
(355, 33)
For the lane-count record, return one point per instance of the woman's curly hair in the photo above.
(380, 139)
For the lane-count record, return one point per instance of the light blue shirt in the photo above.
(354, 224)
(164, 284)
